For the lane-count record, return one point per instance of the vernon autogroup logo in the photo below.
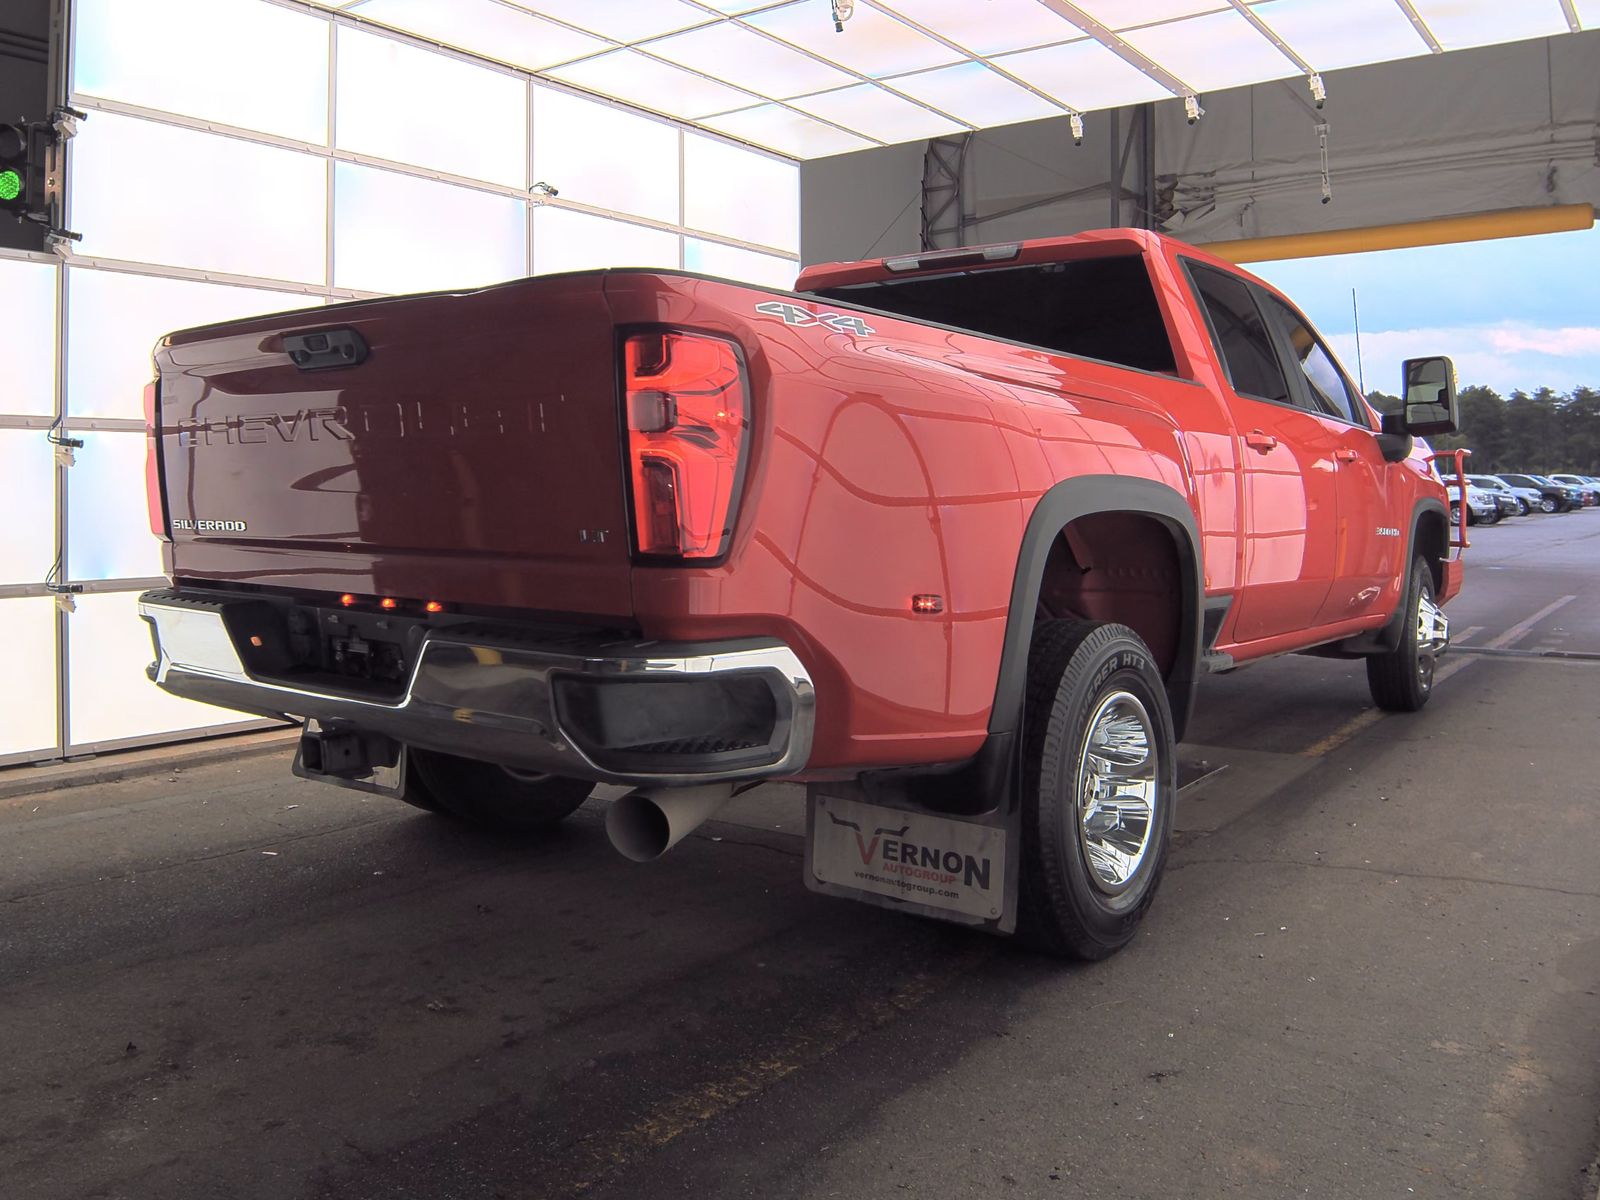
(894, 852)
(870, 850)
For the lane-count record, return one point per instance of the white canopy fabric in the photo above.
(779, 75)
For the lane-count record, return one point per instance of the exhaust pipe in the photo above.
(644, 825)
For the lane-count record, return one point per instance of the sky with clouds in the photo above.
(1513, 313)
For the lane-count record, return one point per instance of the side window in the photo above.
(1330, 394)
(1240, 336)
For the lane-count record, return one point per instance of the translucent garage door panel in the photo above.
(240, 62)
(108, 525)
(489, 28)
(234, 206)
(604, 157)
(740, 194)
(28, 699)
(730, 262)
(115, 319)
(27, 494)
(109, 696)
(397, 233)
(572, 241)
(414, 106)
(27, 338)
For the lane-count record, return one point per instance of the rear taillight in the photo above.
(688, 421)
(152, 465)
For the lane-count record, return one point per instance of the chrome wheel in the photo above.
(1118, 774)
(1433, 636)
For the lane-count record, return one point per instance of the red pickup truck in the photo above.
(950, 537)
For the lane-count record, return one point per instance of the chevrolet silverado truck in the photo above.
(951, 538)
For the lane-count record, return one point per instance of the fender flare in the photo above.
(1064, 503)
(1388, 636)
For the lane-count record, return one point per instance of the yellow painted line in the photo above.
(1475, 227)
(1344, 733)
(831, 1032)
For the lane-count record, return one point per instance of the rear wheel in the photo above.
(494, 797)
(1099, 778)
(1401, 680)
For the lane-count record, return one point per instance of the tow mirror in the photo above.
(1430, 396)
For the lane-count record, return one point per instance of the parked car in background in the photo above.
(1553, 497)
(1528, 497)
(1574, 495)
(1511, 504)
(1482, 505)
(1589, 487)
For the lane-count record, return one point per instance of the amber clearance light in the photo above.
(688, 423)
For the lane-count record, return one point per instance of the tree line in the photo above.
(1535, 432)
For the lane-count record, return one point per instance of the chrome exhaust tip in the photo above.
(644, 825)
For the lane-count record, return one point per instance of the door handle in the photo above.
(1264, 442)
(1346, 454)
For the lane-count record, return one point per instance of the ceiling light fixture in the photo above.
(842, 10)
(1075, 120)
(1318, 92)
(1191, 108)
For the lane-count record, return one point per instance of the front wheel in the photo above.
(1548, 505)
(503, 799)
(1401, 680)
(1099, 778)
(1523, 508)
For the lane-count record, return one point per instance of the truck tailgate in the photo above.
(459, 447)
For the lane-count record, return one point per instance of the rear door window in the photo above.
(1240, 337)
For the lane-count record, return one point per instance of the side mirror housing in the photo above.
(1429, 391)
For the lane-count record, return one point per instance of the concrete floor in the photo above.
(1373, 971)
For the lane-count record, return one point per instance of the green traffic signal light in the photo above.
(10, 184)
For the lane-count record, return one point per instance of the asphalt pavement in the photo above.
(1373, 971)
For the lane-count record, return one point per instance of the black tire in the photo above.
(492, 797)
(1401, 680)
(1492, 518)
(1549, 505)
(1078, 671)
(1523, 507)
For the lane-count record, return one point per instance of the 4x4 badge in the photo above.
(793, 314)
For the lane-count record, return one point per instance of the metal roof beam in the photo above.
(1122, 49)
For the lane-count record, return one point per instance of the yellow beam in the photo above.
(1511, 222)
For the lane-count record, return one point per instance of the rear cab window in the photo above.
(1102, 308)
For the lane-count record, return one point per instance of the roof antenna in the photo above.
(1361, 378)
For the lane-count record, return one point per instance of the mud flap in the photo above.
(366, 762)
(959, 868)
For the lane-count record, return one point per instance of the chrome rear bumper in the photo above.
(492, 694)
